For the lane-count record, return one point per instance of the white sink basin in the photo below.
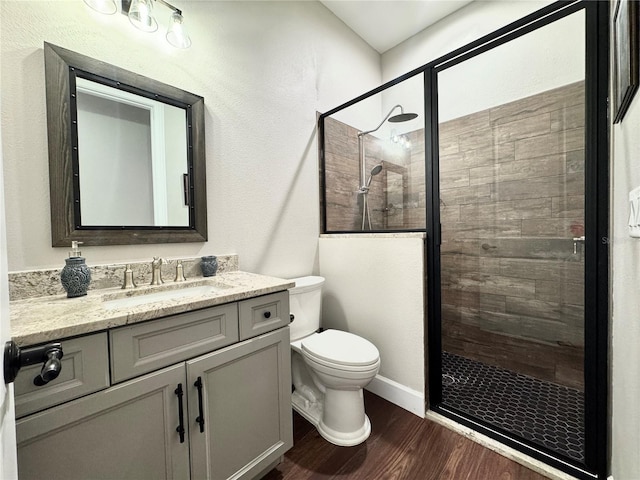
(162, 296)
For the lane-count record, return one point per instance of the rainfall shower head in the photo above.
(403, 117)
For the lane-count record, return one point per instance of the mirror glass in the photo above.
(126, 155)
(131, 152)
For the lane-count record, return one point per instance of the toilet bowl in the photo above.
(329, 369)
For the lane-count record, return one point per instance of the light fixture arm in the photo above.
(167, 4)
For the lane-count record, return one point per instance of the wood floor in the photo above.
(401, 447)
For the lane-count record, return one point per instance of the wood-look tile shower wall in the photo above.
(402, 177)
(512, 200)
(512, 190)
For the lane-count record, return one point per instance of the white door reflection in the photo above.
(132, 158)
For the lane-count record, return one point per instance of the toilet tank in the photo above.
(305, 300)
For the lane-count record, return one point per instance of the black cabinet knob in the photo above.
(267, 314)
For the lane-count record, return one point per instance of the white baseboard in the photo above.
(398, 394)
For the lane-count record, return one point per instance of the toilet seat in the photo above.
(341, 350)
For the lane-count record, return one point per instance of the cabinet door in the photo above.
(245, 402)
(125, 432)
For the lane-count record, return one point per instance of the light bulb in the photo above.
(177, 34)
(141, 15)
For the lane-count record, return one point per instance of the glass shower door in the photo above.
(512, 212)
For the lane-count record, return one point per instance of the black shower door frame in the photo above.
(596, 232)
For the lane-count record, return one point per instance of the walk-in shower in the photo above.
(506, 175)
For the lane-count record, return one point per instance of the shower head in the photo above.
(403, 117)
(400, 117)
(374, 171)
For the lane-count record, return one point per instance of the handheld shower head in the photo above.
(374, 171)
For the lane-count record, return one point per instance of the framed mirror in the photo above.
(126, 155)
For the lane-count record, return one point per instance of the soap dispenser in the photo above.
(75, 275)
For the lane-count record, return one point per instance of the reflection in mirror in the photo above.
(126, 155)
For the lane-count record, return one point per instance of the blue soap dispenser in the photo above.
(75, 275)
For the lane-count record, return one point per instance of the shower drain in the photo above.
(448, 380)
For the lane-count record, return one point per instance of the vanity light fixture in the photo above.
(140, 13)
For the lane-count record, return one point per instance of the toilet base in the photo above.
(313, 413)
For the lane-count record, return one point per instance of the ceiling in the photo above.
(383, 24)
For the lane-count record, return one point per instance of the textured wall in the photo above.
(263, 68)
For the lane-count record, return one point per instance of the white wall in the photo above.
(625, 304)
(264, 69)
(374, 288)
(542, 60)
(463, 26)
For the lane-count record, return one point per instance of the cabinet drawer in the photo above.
(148, 346)
(262, 314)
(85, 369)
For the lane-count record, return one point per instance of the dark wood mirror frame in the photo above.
(60, 70)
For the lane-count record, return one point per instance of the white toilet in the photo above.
(329, 369)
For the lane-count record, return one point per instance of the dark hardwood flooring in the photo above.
(401, 447)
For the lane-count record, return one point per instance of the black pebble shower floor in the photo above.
(542, 412)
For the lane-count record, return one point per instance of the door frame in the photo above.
(596, 231)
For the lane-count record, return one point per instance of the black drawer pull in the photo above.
(200, 417)
(267, 314)
(180, 428)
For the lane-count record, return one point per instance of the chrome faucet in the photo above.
(156, 270)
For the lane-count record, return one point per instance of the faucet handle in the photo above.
(179, 272)
(128, 278)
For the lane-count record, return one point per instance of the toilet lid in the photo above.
(341, 348)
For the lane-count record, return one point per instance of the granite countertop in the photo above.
(52, 317)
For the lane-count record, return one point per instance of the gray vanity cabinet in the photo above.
(245, 403)
(126, 432)
(235, 408)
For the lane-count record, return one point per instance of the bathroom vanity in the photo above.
(176, 381)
